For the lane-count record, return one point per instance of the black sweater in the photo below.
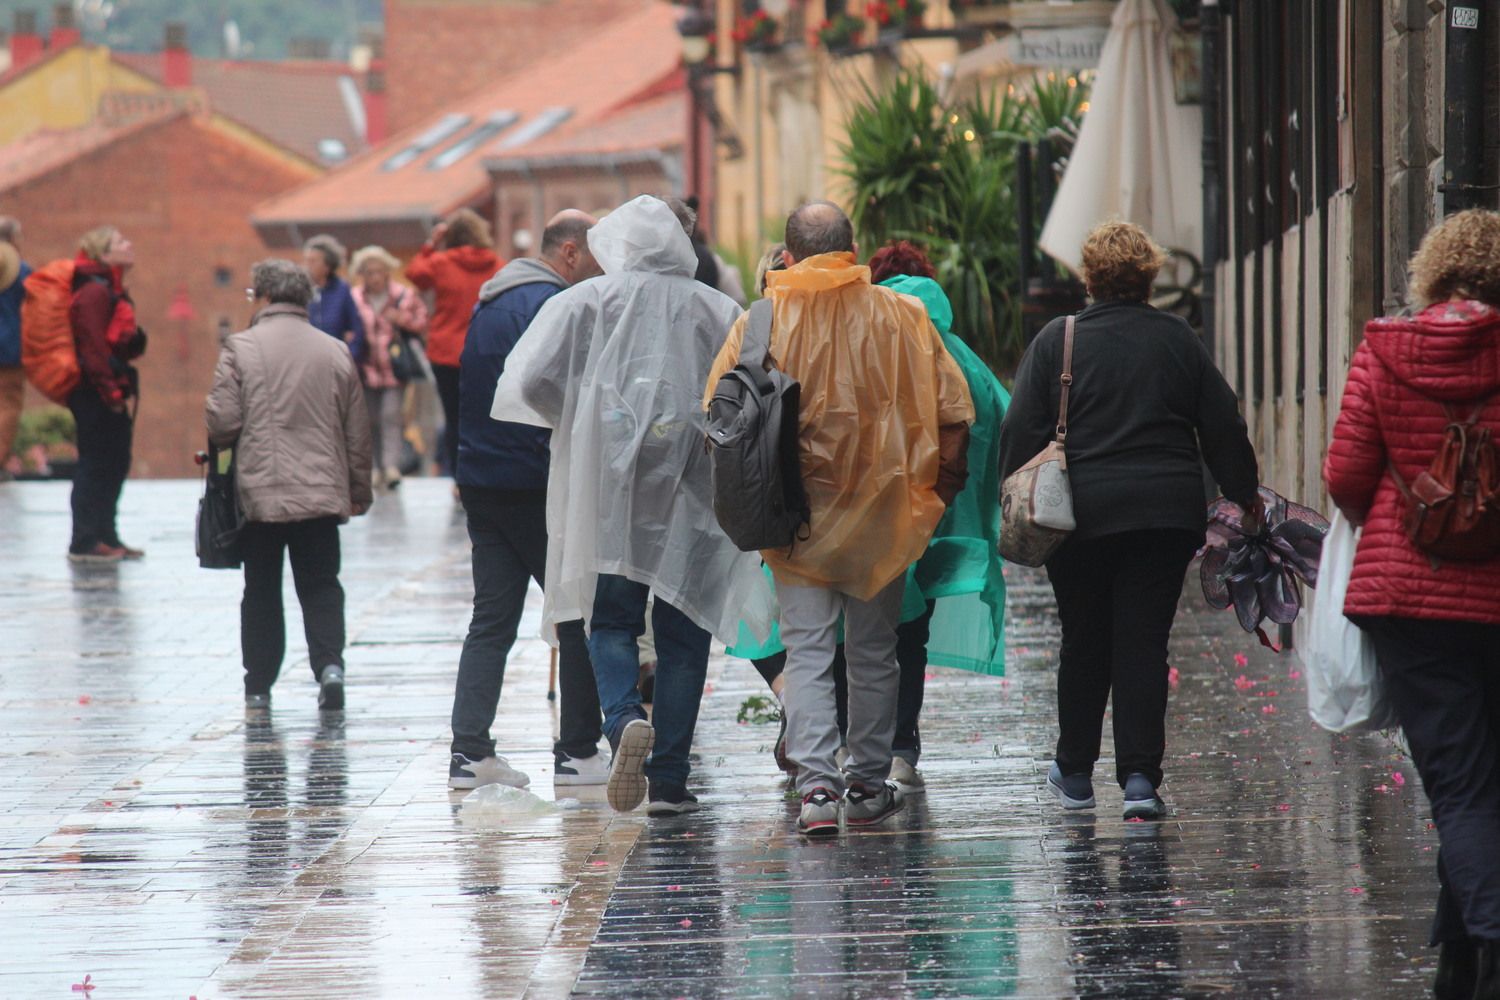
(1146, 396)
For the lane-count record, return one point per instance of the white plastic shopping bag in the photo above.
(1344, 690)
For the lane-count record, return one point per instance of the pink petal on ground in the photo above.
(1173, 676)
(1284, 807)
(674, 888)
(1179, 902)
(598, 864)
(684, 923)
(556, 902)
(84, 699)
(1398, 778)
(1268, 709)
(1382, 789)
(1241, 660)
(1355, 890)
(1135, 819)
(929, 675)
(1295, 674)
(1243, 683)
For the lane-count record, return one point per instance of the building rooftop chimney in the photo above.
(176, 58)
(64, 27)
(25, 43)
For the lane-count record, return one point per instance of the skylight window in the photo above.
(537, 127)
(487, 130)
(446, 128)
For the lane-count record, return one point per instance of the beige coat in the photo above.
(289, 394)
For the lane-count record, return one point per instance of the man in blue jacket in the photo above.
(502, 481)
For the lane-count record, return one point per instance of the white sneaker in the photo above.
(392, 477)
(907, 776)
(580, 770)
(465, 773)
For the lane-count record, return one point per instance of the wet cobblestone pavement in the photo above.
(156, 842)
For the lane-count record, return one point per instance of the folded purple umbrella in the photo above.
(1258, 573)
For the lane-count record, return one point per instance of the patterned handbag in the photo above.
(1036, 501)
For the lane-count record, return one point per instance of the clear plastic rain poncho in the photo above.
(616, 366)
(961, 569)
(871, 407)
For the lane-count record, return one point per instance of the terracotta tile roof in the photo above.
(43, 152)
(430, 168)
(297, 104)
(656, 124)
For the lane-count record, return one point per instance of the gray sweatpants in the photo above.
(385, 426)
(809, 628)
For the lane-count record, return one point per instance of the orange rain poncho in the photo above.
(871, 407)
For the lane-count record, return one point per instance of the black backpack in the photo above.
(752, 439)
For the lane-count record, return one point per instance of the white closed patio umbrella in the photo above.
(1138, 155)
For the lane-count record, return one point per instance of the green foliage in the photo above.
(47, 426)
(265, 26)
(759, 710)
(944, 176)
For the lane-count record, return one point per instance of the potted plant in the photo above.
(757, 32)
(896, 15)
(840, 33)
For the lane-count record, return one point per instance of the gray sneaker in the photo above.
(905, 774)
(820, 813)
(331, 689)
(866, 805)
(1141, 800)
(627, 776)
(1074, 791)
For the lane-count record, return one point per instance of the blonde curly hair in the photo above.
(1120, 262)
(1459, 256)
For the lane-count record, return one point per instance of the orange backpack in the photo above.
(47, 350)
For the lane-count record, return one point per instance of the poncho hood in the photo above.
(643, 235)
(931, 295)
(821, 273)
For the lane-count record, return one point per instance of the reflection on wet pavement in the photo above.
(156, 837)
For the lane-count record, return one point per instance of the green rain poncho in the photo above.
(961, 569)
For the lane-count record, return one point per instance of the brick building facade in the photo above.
(181, 188)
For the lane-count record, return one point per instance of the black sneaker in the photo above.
(1457, 971)
(665, 799)
(331, 689)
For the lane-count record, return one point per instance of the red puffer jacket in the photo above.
(1403, 372)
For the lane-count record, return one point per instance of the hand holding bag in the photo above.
(1344, 688)
(219, 514)
(1036, 501)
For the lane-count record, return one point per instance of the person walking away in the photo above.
(13, 274)
(1147, 408)
(1435, 622)
(388, 311)
(288, 400)
(615, 366)
(882, 434)
(332, 308)
(107, 338)
(455, 262)
(502, 482)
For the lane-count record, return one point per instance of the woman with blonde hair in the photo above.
(1415, 382)
(1147, 407)
(393, 313)
(108, 339)
(454, 263)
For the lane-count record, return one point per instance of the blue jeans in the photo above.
(619, 620)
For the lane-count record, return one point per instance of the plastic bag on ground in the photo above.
(500, 807)
(1344, 689)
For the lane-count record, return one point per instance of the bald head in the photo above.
(818, 227)
(565, 245)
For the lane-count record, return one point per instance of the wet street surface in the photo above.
(156, 841)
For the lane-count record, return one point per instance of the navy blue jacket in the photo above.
(332, 310)
(10, 320)
(496, 454)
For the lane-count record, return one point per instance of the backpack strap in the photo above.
(755, 347)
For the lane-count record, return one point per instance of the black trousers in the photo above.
(1116, 597)
(314, 549)
(1444, 679)
(911, 657)
(104, 437)
(446, 377)
(509, 535)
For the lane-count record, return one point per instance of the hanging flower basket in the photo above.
(841, 34)
(896, 15)
(758, 32)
